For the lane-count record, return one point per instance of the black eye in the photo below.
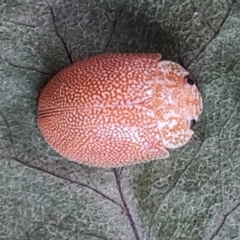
(190, 81)
(193, 123)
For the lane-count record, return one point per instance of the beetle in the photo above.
(113, 110)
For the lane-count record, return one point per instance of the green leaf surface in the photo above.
(194, 194)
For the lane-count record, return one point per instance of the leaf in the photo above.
(194, 194)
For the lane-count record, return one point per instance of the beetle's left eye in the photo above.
(190, 81)
(193, 123)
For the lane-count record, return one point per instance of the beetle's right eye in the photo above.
(190, 81)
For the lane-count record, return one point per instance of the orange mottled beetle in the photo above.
(113, 110)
